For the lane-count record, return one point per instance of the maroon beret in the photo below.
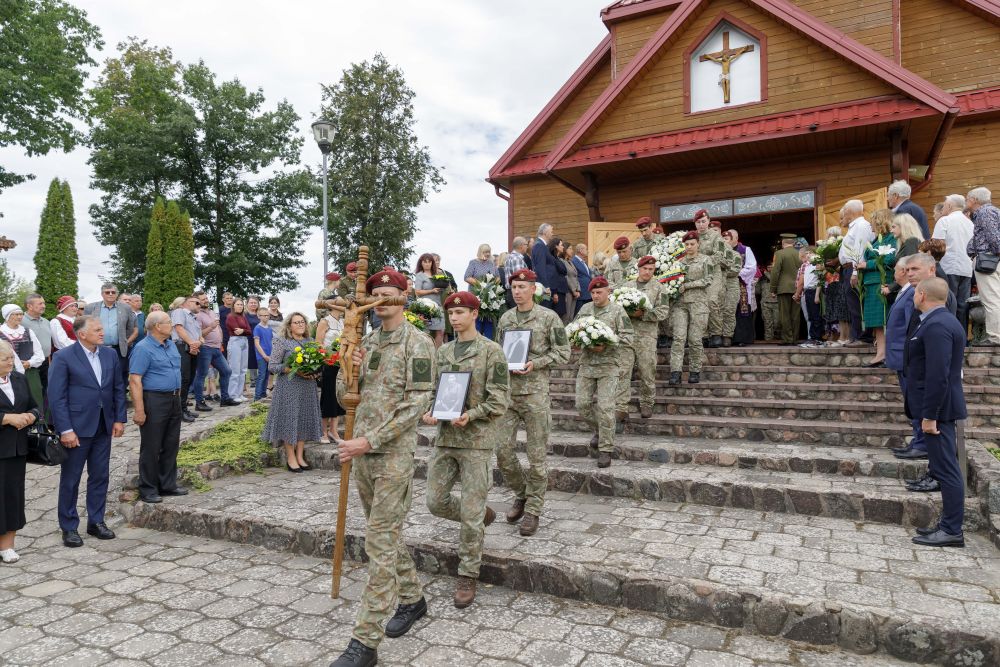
(692, 235)
(462, 300)
(525, 275)
(648, 259)
(644, 221)
(333, 275)
(352, 266)
(700, 212)
(621, 243)
(387, 277)
(598, 281)
(716, 224)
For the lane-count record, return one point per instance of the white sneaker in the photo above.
(239, 399)
(9, 556)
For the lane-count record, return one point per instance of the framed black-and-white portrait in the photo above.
(453, 389)
(516, 343)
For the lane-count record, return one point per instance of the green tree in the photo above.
(57, 264)
(178, 254)
(379, 173)
(12, 288)
(44, 58)
(152, 291)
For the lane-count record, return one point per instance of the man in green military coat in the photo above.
(464, 446)
(783, 275)
(529, 390)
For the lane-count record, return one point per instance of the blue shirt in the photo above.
(264, 334)
(109, 320)
(158, 364)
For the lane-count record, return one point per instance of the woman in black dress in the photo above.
(329, 329)
(560, 285)
(17, 412)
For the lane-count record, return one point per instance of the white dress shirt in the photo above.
(37, 356)
(60, 340)
(7, 388)
(859, 235)
(95, 361)
(956, 231)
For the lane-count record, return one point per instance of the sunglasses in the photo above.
(110, 291)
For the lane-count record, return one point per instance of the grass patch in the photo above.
(995, 452)
(235, 443)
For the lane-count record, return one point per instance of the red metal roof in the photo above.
(624, 9)
(979, 101)
(529, 164)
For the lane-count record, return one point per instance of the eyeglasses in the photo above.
(110, 291)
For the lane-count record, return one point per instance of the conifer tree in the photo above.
(178, 253)
(153, 286)
(56, 261)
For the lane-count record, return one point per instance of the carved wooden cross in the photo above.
(725, 57)
(354, 324)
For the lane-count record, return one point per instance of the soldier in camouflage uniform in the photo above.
(396, 366)
(642, 245)
(348, 283)
(464, 446)
(768, 303)
(328, 292)
(731, 295)
(623, 265)
(598, 376)
(691, 311)
(724, 260)
(646, 327)
(530, 400)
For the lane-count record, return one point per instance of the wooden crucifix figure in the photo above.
(725, 58)
(354, 323)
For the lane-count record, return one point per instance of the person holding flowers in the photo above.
(691, 311)
(294, 416)
(876, 268)
(328, 333)
(481, 270)
(646, 322)
(601, 329)
(427, 285)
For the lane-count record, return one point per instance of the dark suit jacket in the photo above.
(76, 399)
(583, 274)
(897, 330)
(543, 262)
(935, 354)
(12, 441)
(918, 215)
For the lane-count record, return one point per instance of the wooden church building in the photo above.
(769, 113)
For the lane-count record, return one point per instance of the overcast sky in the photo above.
(480, 69)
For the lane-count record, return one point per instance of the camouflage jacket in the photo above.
(601, 364)
(641, 247)
(699, 274)
(397, 383)
(618, 273)
(489, 393)
(324, 295)
(549, 346)
(727, 260)
(649, 323)
(347, 287)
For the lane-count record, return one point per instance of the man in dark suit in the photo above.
(898, 199)
(934, 357)
(583, 272)
(87, 399)
(542, 261)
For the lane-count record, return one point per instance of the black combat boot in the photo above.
(356, 655)
(694, 377)
(675, 378)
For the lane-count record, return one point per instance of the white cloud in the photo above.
(481, 70)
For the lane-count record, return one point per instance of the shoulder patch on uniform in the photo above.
(561, 336)
(374, 360)
(664, 298)
(421, 369)
(500, 373)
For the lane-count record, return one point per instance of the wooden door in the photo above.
(601, 236)
(828, 215)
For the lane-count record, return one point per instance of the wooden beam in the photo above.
(593, 197)
(899, 155)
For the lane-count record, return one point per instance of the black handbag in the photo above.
(44, 447)
(986, 262)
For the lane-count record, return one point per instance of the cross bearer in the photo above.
(529, 403)
(396, 365)
(464, 446)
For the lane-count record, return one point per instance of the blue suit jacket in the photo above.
(896, 330)
(935, 354)
(918, 214)
(543, 263)
(77, 400)
(583, 273)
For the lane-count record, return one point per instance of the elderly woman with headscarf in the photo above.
(27, 349)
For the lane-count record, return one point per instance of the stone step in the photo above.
(868, 412)
(825, 581)
(758, 429)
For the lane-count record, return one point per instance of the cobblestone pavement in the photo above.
(151, 598)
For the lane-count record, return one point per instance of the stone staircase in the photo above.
(763, 498)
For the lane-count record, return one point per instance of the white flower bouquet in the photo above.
(492, 300)
(539, 292)
(634, 302)
(590, 333)
(672, 279)
(425, 308)
(667, 251)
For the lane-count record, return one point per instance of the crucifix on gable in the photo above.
(725, 58)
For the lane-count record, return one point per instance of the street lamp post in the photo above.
(323, 132)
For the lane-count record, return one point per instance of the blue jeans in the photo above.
(207, 357)
(262, 377)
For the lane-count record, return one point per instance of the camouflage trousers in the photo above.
(716, 303)
(729, 303)
(769, 313)
(645, 360)
(689, 328)
(385, 486)
(470, 467)
(535, 411)
(595, 401)
(626, 361)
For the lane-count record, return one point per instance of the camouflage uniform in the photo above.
(598, 377)
(530, 403)
(347, 287)
(641, 247)
(724, 259)
(463, 454)
(646, 331)
(397, 381)
(324, 295)
(768, 305)
(618, 273)
(729, 303)
(691, 313)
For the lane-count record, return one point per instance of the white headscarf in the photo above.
(10, 309)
